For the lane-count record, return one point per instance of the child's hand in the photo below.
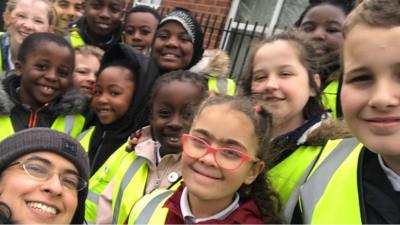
(133, 140)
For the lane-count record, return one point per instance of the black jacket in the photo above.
(380, 203)
(108, 138)
(71, 103)
(81, 26)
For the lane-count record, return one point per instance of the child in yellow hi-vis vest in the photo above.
(357, 181)
(224, 162)
(153, 162)
(39, 93)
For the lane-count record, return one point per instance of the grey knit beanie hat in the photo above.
(48, 140)
(192, 27)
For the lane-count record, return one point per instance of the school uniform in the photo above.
(168, 207)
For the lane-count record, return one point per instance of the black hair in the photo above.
(344, 5)
(33, 42)
(124, 63)
(260, 191)
(179, 75)
(144, 9)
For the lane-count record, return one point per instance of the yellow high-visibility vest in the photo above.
(329, 97)
(330, 194)
(69, 124)
(223, 86)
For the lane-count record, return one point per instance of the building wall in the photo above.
(217, 9)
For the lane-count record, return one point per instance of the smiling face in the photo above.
(172, 48)
(370, 93)
(46, 73)
(220, 126)
(68, 11)
(171, 113)
(29, 16)
(324, 24)
(280, 81)
(103, 16)
(140, 28)
(39, 202)
(114, 93)
(85, 73)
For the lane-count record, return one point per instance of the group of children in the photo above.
(275, 153)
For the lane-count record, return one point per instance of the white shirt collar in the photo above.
(393, 177)
(158, 155)
(189, 218)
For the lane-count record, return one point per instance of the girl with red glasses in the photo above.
(224, 162)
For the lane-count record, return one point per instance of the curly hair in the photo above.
(260, 191)
(143, 9)
(344, 6)
(179, 75)
(35, 41)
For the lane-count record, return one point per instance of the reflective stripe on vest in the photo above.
(99, 181)
(84, 138)
(222, 85)
(69, 124)
(294, 197)
(7, 128)
(285, 176)
(329, 97)
(330, 194)
(76, 39)
(138, 190)
(149, 209)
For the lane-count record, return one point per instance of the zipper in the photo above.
(33, 116)
(97, 152)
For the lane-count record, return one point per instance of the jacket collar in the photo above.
(72, 102)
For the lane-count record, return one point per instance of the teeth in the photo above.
(48, 90)
(173, 139)
(170, 55)
(43, 207)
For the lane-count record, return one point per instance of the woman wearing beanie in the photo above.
(43, 178)
(178, 43)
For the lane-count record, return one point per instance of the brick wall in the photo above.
(211, 13)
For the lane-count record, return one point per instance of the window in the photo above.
(255, 11)
(291, 11)
(152, 3)
(251, 20)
